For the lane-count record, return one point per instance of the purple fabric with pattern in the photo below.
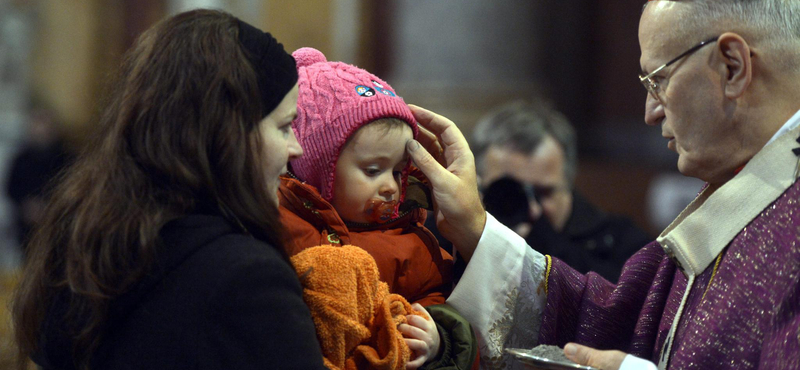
(748, 319)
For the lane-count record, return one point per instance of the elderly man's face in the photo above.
(544, 169)
(693, 117)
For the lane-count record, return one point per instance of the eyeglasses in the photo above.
(652, 86)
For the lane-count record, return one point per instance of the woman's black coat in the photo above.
(217, 299)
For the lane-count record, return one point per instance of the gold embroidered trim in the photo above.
(499, 330)
(547, 273)
(713, 273)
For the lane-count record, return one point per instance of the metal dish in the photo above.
(536, 362)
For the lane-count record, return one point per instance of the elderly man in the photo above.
(720, 288)
(527, 159)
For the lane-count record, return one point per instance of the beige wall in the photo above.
(65, 59)
(78, 46)
(300, 23)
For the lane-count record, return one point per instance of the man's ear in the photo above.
(735, 54)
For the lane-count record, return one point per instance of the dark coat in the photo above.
(217, 299)
(592, 240)
(29, 174)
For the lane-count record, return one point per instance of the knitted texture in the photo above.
(355, 315)
(336, 99)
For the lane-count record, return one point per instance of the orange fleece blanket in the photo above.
(355, 315)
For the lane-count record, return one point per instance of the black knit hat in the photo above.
(275, 68)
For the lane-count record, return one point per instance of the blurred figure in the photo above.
(527, 161)
(36, 164)
(668, 194)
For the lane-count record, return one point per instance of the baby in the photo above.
(351, 187)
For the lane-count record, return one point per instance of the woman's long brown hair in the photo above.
(180, 130)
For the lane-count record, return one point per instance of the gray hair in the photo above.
(522, 126)
(774, 24)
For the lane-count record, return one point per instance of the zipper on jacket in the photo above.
(332, 236)
(364, 225)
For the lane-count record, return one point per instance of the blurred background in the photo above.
(457, 57)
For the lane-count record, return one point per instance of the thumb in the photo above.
(578, 353)
(432, 169)
(603, 360)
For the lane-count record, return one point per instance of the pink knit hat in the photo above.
(336, 99)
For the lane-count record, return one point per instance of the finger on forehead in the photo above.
(431, 143)
(438, 125)
(431, 121)
(426, 137)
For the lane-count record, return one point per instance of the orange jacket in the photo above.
(409, 259)
(355, 315)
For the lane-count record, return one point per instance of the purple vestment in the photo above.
(719, 289)
(749, 317)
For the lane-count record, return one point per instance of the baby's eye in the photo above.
(397, 173)
(372, 171)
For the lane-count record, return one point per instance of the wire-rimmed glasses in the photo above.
(652, 86)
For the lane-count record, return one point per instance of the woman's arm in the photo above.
(258, 320)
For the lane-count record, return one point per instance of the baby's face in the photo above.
(369, 169)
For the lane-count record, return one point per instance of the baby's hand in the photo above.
(421, 337)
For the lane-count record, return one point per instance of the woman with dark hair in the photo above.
(160, 247)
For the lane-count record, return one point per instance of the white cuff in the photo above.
(499, 294)
(632, 362)
(489, 275)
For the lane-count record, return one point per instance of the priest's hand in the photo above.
(603, 360)
(446, 160)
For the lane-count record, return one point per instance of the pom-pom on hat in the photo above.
(336, 99)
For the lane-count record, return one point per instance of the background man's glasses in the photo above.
(652, 86)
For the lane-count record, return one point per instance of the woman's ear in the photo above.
(736, 55)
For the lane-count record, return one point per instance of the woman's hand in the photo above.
(421, 336)
(450, 166)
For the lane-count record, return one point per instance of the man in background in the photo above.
(720, 287)
(527, 160)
